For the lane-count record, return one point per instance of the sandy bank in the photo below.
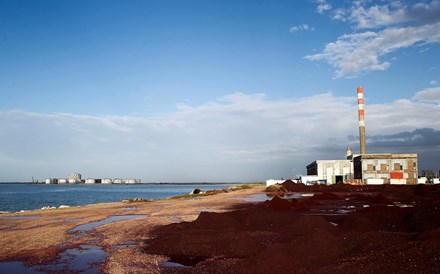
(39, 237)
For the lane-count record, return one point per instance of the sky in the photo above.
(213, 91)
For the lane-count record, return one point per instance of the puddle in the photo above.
(399, 204)
(173, 264)
(84, 259)
(19, 217)
(183, 261)
(92, 225)
(131, 208)
(121, 246)
(16, 267)
(344, 211)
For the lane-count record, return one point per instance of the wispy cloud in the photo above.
(323, 6)
(399, 26)
(237, 137)
(301, 27)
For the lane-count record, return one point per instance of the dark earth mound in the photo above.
(388, 229)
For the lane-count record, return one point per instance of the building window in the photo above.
(371, 167)
(383, 168)
(397, 166)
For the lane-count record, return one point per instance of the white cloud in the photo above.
(433, 82)
(237, 137)
(360, 52)
(323, 6)
(377, 15)
(339, 14)
(428, 95)
(301, 27)
(400, 26)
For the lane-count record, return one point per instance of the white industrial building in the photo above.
(332, 171)
(75, 178)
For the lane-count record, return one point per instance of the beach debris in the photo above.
(196, 191)
(48, 207)
(136, 200)
(54, 207)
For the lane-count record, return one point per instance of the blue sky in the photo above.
(212, 90)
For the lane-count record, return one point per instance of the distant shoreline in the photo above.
(165, 183)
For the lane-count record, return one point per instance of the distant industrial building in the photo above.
(386, 168)
(75, 178)
(332, 171)
(367, 168)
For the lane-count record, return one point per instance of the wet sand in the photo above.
(39, 239)
(337, 229)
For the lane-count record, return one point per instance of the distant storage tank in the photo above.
(72, 181)
(62, 181)
(51, 181)
(90, 181)
(130, 181)
(106, 181)
(117, 181)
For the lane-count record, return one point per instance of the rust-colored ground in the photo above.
(341, 229)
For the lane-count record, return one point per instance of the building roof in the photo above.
(386, 156)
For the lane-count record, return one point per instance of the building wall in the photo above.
(332, 170)
(390, 168)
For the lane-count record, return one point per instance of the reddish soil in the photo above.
(341, 229)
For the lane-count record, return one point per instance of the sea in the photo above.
(24, 196)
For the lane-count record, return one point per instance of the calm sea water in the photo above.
(16, 197)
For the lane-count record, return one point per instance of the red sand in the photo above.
(342, 229)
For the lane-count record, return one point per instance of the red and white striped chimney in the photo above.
(361, 112)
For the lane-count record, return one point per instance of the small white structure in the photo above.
(435, 180)
(90, 181)
(273, 182)
(62, 181)
(374, 181)
(421, 180)
(106, 181)
(130, 181)
(309, 179)
(51, 181)
(117, 181)
(72, 181)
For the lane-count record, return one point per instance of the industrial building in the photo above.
(367, 168)
(332, 171)
(75, 178)
(386, 168)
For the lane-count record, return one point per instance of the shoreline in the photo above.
(40, 236)
(115, 193)
(340, 227)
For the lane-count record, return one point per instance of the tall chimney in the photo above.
(361, 112)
